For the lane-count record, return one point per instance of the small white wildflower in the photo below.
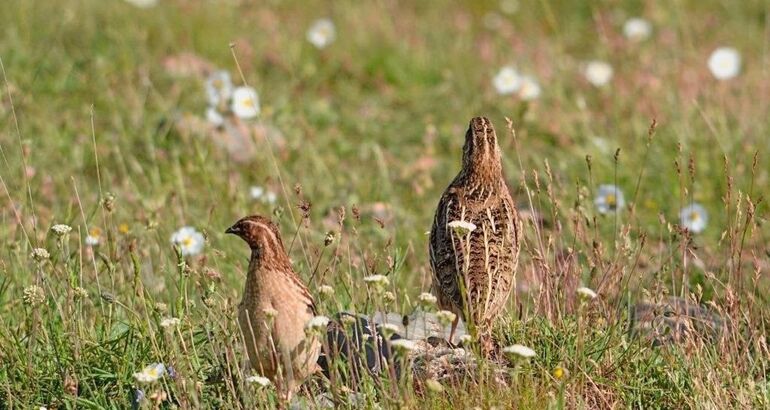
(214, 117)
(379, 280)
(637, 29)
(262, 381)
(609, 198)
(61, 229)
(445, 316)
(94, 237)
(321, 33)
(389, 297)
(326, 290)
(271, 197)
(170, 322)
(219, 88)
(530, 88)
(40, 254)
(725, 63)
(317, 323)
(80, 293)
(388, 329)
(598, 73)
(427, 299)
(245, 103)
(150, 373)
(189, 241)
(519, 350)
(586, 293)
(403, 345)
(694, 217)
(142, 4)
(33, 295)
(507, 81)
(462, 227)
(256, 192)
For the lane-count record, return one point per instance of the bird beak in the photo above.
(231, 230)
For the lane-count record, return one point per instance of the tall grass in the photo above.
(360, 139)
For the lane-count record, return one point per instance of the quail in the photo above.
(474, 240)
(275, 309)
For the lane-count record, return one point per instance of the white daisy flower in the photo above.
(61, 229)
(637, 29)
(380, 280)
(262, 381)
(403, 345)
(609, 198)
(219, 88)
(150, 373)
(694, 217)
(170, 322)
(245, 102)
(256, 192)
(530, 88)
(519, 350)
(586, 293)
(214, 117)
(725, 63)
(321, 33)
(271, 197)
(462, 227)
(598, 73)
(142, 4)
(445, 316)
(317, 323)
(507, 81)
(189, 241)
(94, 237)
(427, 299)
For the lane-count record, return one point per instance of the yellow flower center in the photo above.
(558, 373)
(187, 241)
(123, 228)
(612, 200)
(248, 103)
(95, 232)
(218, 84)
(694, 216)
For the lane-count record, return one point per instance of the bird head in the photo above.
(481, 150)
(258, 232)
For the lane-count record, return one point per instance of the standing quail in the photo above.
(275, 309)
(474, 241)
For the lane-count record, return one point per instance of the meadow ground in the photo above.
(103, 128)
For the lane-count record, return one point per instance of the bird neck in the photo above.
(265, 261)
(482, 173)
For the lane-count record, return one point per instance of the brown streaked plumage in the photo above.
(277, 347)
(477, 287)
